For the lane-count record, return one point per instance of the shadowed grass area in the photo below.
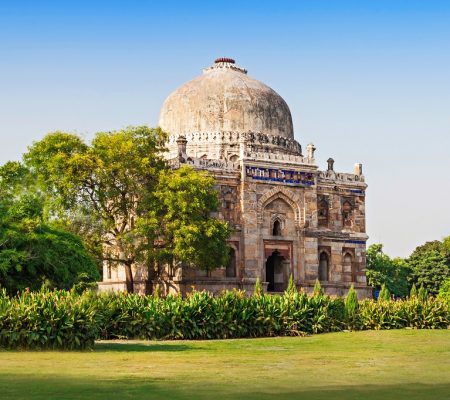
(403, 364)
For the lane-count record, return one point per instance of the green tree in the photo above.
(119, 194)
(430, 265)
(111, 181)
(446, 244)
(444, 291)
(383, 270)
(14, 180)
(88, 228)
(33, 253)
(186, 231)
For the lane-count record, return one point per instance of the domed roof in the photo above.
(226, 99)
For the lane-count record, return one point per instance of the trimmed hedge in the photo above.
(66, 320)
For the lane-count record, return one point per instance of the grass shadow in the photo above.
(142, 347)
(60, 387)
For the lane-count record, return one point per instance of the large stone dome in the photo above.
(226, 99)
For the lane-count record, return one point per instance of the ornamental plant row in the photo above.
(66, 320)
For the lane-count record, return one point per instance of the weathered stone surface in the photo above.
(226, 99)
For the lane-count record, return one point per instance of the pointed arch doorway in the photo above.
(274, 266)
(277, 263)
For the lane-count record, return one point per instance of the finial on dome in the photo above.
(224, 60)
(225, 63)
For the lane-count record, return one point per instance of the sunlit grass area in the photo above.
(402, 364)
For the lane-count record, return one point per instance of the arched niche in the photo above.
(349, 265)
(348, 258)
(230, 270)
(278, 218)
(347, 214)
(324, 267)
(322, 213)
(289, 197)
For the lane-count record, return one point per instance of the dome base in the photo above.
(226, 145)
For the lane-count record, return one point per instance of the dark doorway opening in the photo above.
(274, 266)
(230, 271)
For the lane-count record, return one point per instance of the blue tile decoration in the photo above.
(356, 241)
(280, 175)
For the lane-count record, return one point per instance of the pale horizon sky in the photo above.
(366, 81)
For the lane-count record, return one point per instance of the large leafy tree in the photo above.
(111, 181)
(430, 264)
(33, 253)
(16, 180)
(383, 270)
(186, 231)
(119, 189)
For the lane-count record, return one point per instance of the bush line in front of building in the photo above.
(66, 320)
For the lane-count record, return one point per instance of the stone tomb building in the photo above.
(288, 217)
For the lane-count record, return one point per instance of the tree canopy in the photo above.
(383, 270)
(189, 235)
(118, 191)
(430, 265)
(33, 253)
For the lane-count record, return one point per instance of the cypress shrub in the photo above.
(413, 291)
(317, 288)
(422, 293)
(258, 290)
(384, 294)
(351, 308)
(291, 288)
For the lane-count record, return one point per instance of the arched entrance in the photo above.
(276, 272)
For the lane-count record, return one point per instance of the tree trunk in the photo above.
(129, 278)
(152, 276)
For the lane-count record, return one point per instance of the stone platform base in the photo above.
(139, 287)
(339, 289)
(216, 286)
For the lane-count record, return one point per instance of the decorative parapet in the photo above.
(337, 236)
(286, 158)
(251, 139)
(200, 163)
(331, 176)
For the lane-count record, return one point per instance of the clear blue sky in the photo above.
(366, 81)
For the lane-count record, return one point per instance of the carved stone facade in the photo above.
(288, 217)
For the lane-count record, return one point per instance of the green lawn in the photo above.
(403, 364)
